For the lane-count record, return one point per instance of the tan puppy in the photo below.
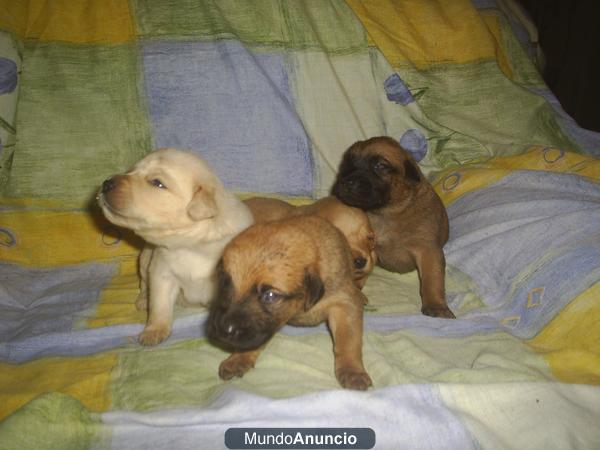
(294, 271)
(268, 209)
(408, 217)
(352, 222)
(180, 208)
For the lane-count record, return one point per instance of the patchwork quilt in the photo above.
(271, 93)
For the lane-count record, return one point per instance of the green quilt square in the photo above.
(327, 25)
(80, 118)
(256, 22)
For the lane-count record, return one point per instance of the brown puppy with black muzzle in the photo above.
(409, 219)
(352, 222)
(294, 271)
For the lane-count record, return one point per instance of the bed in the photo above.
(270, 93)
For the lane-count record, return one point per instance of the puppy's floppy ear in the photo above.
(225, 288)
(202, 205)
(412, 172)
(314, 288)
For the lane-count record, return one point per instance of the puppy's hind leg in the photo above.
(346, 325)
(431, 266)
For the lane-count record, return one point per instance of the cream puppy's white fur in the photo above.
(180, 208)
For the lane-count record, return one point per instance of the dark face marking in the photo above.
(362, 182)
(366, 178)
(238, 324)
(247, 321)
(235, 331)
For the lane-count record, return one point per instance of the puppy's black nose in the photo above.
(231, 331)
(351, 183)
(360, 262)
(108, 185)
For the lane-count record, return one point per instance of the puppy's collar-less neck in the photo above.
(172, 238)
(198, 233)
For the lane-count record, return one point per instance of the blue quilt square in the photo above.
(232, 106)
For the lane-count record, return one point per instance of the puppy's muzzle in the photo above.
(360, 191)
(356, 185)
(233, 332)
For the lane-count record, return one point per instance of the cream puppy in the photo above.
(180, 208)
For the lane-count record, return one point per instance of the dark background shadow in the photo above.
(569, 33)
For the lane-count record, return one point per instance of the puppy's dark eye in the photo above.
(360, 262)
(157, 183)
(382, 167)
(270, 296)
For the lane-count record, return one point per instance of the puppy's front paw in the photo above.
(438, 311)
(154, 335)
(235, 366)
(353, 379)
